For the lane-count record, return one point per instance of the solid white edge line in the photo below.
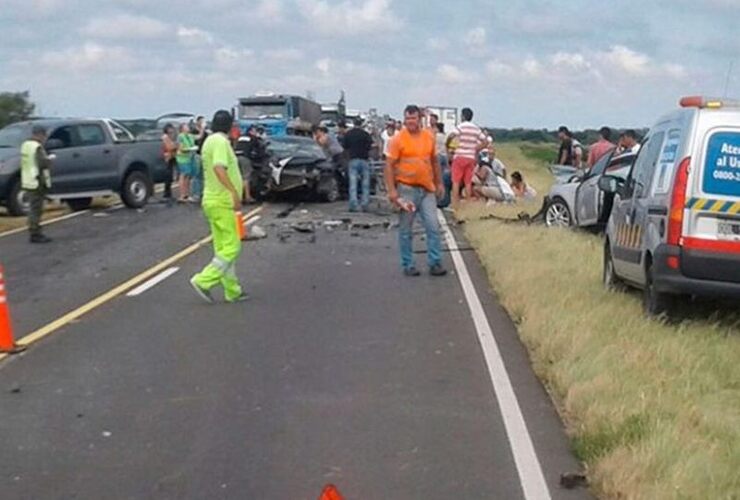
(152, 282)
(252, 220)
(528, 466)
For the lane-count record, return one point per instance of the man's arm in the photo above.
(42, 160)
(223, 178)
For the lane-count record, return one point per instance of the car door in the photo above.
(60, 146)
(588, 197)
(630, 212)
(96, 165)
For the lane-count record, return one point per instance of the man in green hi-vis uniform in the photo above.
(221, 199)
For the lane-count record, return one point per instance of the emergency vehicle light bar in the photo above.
(698, 101)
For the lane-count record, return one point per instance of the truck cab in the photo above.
(279, 115)
(675, 226)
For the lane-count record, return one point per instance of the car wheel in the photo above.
(655, 303)
(609, 276)
(137, 188)
(79, 204)
(558, 214)
(18, 203)
(328, 189)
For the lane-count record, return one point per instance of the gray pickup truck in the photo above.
(93, 157)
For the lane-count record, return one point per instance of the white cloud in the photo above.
(324, 66)
(88, 57)
(572, 61)
(628, 60)
(532, 67)
(193, 37)
(449, 73)
(349, 17)
(229, 57)
(125, 26)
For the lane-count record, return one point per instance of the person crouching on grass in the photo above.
(414, 182)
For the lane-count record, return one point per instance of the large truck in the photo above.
(279, 115)
(448, 116)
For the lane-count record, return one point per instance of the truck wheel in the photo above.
(609, 276)
(79, 204)
(557, 214)
(328, 189)
(655, 303)
(137, 188)
(17, 200)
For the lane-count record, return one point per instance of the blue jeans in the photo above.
(196, 188)
(359, 168)
(426, 207)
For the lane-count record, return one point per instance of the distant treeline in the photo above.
(586, 137)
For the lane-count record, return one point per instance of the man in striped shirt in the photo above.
(471, 140)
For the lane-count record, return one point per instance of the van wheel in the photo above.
(18, 203)
(655, 303)
(137, 188)
(609, 276)
(79, 204)
(557, 214)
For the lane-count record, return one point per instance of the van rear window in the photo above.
(722, 168)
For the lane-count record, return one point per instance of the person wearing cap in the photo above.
(35, 180)
(221, 200)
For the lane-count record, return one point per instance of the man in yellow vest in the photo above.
(414, 182)
(35, 180)
(221, 200)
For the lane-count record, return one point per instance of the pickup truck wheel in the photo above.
(79, 204)
(17, 200)
(137, 188)
(610, 278)
(557, 214)
(655, 303)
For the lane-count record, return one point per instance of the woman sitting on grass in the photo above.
(521, 189)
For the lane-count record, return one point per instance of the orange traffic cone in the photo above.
(7, 344)
(331, 493)
(240, 225)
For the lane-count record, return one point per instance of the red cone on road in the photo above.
(7, 344)
(331, 493)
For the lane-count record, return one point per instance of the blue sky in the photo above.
(529, 63)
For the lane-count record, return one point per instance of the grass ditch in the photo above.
(652, 409)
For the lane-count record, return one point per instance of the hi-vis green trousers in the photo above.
(226, 247)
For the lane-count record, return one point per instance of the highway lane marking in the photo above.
(61, 218)
(71, 316)
(152, 282)
(528, 466)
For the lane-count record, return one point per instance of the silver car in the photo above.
(579, 202)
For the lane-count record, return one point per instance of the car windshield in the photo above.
(13, 136)
(261, 111)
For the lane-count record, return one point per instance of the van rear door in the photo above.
(711, 238)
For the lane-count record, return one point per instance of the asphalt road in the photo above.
(338, 370)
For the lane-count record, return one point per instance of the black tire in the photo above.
(79, 204)
(136, 189)
(17, 202)
(655, 303)
(328, 189)
(557, 214)
(609, 277)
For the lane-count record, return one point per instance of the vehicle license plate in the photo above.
(729, 230)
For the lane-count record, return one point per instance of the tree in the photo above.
(15, 107)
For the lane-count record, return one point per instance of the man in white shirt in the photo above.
(387, 135)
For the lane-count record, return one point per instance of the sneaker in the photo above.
(437, 270)
(40, 238)
(244, 296)
(204, 294)
(353, 209)
(411, 271)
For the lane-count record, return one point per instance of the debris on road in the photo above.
(256, 233)
(572, 480)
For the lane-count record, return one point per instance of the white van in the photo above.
(675, 226)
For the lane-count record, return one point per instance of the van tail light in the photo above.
(678, 203)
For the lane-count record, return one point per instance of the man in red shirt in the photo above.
(600, 147)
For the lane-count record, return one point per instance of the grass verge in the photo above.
(653, 409)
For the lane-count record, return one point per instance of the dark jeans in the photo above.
(36, 209)
(171, 166)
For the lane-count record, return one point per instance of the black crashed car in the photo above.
(291, 164)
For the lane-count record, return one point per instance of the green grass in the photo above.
(653, 408)
(544, 152)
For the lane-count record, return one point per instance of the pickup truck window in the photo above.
(90, 135)
(120, 134)
(66, 135)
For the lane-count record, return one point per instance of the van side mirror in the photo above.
(53, 144)
(609, 183)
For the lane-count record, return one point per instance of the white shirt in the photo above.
(386, 138)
